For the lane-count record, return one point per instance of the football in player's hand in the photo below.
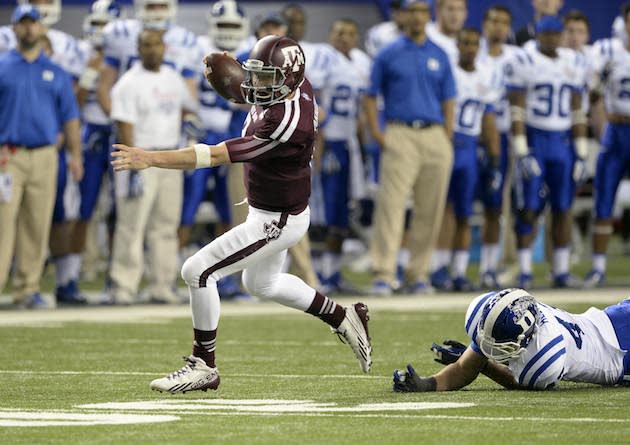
(225, 74)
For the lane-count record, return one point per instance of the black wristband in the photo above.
(426, 384)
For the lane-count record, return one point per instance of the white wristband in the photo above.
(517, 114)
(88, 79)
(581, 147)
(519, 145)
(578, 117)
(204, 157)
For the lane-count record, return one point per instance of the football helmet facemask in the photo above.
(156, 14)
(227, 25)
(507, 325)
(274, 70)
(50, 10)
(101, 13)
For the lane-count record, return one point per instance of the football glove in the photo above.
(579, 172)
(529, 167)
(495, 177)
(191, 126)
(449, 353)
(408, 381)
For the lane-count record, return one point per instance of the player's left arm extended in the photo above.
(490, 135)
(188, 158)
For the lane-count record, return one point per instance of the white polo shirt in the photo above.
(152, 101)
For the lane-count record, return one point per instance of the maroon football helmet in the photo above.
(274, 70)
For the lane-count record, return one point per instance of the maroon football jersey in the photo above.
(276, 147)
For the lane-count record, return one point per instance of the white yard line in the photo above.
(164, 313)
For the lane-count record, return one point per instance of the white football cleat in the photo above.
(194, 376)
(353, 330)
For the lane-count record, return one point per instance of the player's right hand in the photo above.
(130, 158)
(529, 167)
(449, 352)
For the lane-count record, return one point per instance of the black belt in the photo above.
(417, 124)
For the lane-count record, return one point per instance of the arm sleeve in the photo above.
(124, 102)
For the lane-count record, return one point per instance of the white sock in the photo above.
(561, 257)
(75, 265)
(330, 264)
(494, 254)
(205, 306)
(63, 270)
(460, 263)
(403, 257)
(442, 258)
(599, 262)
(525, 260)
(484, 259)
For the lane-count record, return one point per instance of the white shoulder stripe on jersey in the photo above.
(540, 361)
(285, 120)
(296, 117)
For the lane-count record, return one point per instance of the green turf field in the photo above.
(285, 380)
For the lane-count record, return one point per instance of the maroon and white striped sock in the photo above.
(326, 310)
(205, 345)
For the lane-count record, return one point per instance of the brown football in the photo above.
(225, 74)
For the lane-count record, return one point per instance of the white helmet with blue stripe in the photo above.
(101, 13)
(505, 323)
(49, 9)
(227, 25)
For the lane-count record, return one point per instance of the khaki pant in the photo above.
(416, 163)
(25, 220)
(155, 214)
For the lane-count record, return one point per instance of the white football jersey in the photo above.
(380, 35)
(565, 346)
(548, 83)
(346, 80)
(502, 105)
(611, 62)
(476, 95)
(317, 57)
(448, 44)
(214, 111)
(92, 113)
(121, 47)
(66, 51)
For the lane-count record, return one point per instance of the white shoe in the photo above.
(353, 330)
(194, 376)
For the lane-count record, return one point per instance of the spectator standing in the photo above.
(419, 101)
(37, 103)
(147, 106)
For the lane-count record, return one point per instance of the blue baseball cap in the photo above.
(549, 23)
(23, 11)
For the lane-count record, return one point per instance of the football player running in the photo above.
(522, 343)
(277, 147)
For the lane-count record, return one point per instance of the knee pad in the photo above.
(192, 270)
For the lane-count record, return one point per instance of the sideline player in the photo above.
(521, 343)
(277, 147)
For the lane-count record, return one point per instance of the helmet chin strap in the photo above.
(285, 90)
